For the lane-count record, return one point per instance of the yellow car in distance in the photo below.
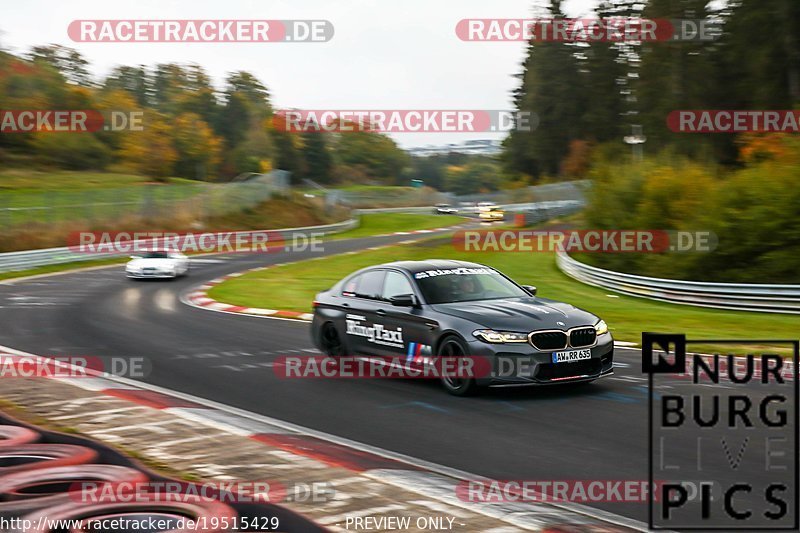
(490, 213)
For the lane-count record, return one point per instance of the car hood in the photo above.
(519, 314)
(152, 263)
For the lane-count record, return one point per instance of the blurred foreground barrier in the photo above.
(740, 296)
(33, 490)
(17, 436)
(73, 479)
(14, 459)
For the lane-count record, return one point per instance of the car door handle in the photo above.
(345, 305)
(380, 312)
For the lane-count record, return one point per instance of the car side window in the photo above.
(395, 285)
(370, 284)
(351, 286)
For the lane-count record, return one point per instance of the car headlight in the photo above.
(500, 337)
(601, 327)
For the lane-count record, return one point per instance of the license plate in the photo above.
(571, 356)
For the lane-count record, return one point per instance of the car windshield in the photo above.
(159, 254)
(465, 284)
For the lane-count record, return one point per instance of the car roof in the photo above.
(428, 264)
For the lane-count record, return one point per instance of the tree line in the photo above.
(190, 128)
(588, 96)
(740, 187)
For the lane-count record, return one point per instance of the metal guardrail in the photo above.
(739, 296)
(531, 209)
(561, 191)
(411, 210)
(564, 190)
(28, 259)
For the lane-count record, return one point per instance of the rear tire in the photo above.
(331, 342)
(453, 346)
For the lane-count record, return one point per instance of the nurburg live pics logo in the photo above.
(727, 427)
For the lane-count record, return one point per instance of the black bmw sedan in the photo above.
(418, 311)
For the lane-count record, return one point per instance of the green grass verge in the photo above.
(380, 223)
(293, 287)
(24, 180)
(79, 195)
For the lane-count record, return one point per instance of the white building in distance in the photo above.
(472, 147)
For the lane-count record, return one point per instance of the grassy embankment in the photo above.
(293, 287)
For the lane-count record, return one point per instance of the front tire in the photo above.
(457, 386)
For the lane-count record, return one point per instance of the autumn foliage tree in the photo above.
(196, 146)
(151, 151)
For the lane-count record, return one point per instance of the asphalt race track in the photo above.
(598, 431)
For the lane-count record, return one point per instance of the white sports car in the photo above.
(445, 209)
(157, 264)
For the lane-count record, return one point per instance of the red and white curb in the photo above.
(198, 296)
(430, 480)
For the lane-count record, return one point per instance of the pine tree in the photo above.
(674, 76)
(551, 83)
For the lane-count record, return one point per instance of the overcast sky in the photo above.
(386, 54)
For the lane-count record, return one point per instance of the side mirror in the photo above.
(404, 300)
(530, 288)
